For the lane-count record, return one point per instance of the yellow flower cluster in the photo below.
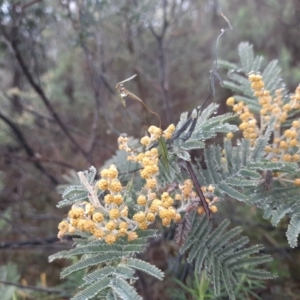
(156, 133)
(167, 134)
(123, 143)
(110, 220)
(188, 195)
(108, 226)
(248, 125)
(150, 205)
(295, 99)
(285, 145)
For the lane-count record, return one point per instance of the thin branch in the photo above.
(24, 6)
(40, 158)
(37, 289)
(49, 119)
(162, 64)
(25, 145)
(45, 100)
(30, 243)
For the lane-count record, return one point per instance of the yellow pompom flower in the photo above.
(293, 142)
(122, 232)
(153, 208)
(287, 157)
(283, 145)
(168, 202)
(172, 212)
(297, 181)
(81, 224)
(151, 183)
(111, 225)
(104, 173)
(140, 157)
(114, 213)
(122, 139)
(146, 161)
(287, 107)
(289, 133)
(167, 135)
(164, 196)
(115, 186)
(296, 157)
(213, 209)
(150, 217)
(295, 124)
(156, 202)
(118, 199)
(178, 197)
(229, 135)
(171, 128)
(123, 225)
(163, 213)
(143, 226)
(141, 200)
(74, 222)
(145, 140)
(166, 222)
(201, 210)
(112, 172)
(76, 213)
(110, 239)
(63, 226)
(154, 152)
(139, 217)
(132, 236)
(230, 101)
(155, 131)
(98, 217)
(98, 233)
(89, 226)
(211, 188)
(243, 125)
(71, 229)
(102, 184)
(109, 198)
(177, 218)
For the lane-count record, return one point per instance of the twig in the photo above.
(27, 148)
(40, 158)
(162, 64)
(43, 97)
(37, 289)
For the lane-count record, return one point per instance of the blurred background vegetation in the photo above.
(60, 61)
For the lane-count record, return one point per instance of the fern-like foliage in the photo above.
(109, 266)
(222, 254)
(239, 82)
(281, 199)
(240, 175)
(77, 193)
(248, 171)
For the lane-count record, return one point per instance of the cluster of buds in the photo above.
(149, 210)
(295, 99)
(156, 133)
(249, 123)
(270, 106)
(188, 197)
(285, 145)
(108, 219)
(149, 204)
